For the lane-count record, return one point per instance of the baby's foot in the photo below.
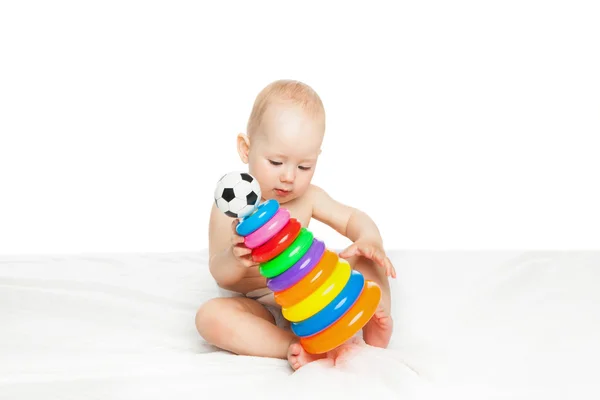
(378, 331)
(298, 357)
(342, 352)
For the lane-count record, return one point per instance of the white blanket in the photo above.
(469, 325)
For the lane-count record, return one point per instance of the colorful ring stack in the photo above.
(323, 298)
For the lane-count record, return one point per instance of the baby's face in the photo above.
(284, 151)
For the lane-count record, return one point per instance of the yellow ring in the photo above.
(324, 294)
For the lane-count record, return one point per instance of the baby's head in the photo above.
(283, 140)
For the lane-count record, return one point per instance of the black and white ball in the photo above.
(237, 194)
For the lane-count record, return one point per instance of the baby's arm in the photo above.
(366, 255)
(354, 224)
(228, 258)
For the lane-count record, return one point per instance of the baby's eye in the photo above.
(274, 162)
(304, 168)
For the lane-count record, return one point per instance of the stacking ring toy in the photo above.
(343, 329)
(300, 269)
(264, 212)
(319, 274)
(289, 256)
(318, 299)
(278, 243)
(268, 230)
(325, 301)
(334, 310)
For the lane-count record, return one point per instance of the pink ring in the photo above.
(268, 230)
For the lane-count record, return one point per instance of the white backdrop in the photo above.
(455, 125)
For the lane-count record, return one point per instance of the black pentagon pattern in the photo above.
(228, 194)
(251, 198)
(247, 177)
(231, 214)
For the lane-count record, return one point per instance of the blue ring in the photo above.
(334, 310)
(264, 212)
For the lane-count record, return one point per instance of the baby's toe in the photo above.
(295, 349)
(293, 355)
(293, 361)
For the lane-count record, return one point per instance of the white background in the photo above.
(455, 125)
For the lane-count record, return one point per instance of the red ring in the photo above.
(278, 243)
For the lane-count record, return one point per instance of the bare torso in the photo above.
(300, 209)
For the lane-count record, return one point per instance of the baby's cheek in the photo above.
(302, 189)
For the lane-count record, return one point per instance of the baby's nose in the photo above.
(288, 175)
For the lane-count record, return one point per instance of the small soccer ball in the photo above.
(237, 194)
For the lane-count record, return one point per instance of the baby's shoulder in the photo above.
(313, 193)
(315, 196)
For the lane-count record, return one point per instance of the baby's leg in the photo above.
(378, 331)
(242, 326)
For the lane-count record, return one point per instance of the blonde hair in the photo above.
(284, 90)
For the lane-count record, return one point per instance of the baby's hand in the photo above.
(242, 253)
(373, 251)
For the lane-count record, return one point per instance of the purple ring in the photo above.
(300, 269)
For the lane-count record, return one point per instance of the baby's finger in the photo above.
(236, 239)
(247, 261)
(349, 252)
(241, 251)
(245, 251)
(380, 259)
(390, 267)
(366, 252)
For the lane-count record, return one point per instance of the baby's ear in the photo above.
(243, 146)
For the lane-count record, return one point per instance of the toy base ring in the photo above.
(334, 310)
(357, 317)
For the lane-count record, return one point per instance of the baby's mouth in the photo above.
(281, 192)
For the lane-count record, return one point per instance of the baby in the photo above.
(281, 147)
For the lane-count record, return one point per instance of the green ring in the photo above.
(289, 256)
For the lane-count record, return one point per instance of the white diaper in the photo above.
(267, 298)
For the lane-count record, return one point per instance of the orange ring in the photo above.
(344, 328)
(310, 283)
